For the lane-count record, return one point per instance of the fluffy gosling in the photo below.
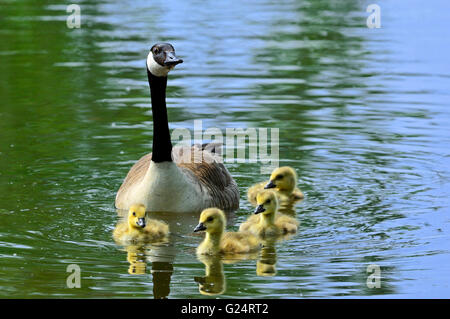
(217, 241)
(284, 181)
(140, 229)
(269, 222)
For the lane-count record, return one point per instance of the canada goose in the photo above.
(140, 229)
(269, 222)
(217, 241)
(162, 180)
(284, 181)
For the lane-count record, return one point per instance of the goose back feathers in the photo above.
(209, 181)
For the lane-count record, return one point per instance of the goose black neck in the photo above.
(162, 146)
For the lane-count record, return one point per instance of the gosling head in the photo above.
(136, 216)
(212, 220)
(283, 179)
(161, 59)
(267, 202)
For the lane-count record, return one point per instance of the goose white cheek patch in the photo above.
(155, 68)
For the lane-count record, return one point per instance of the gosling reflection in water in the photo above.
(213, 283)
(140, 256)
(266, 264)
(136, 258)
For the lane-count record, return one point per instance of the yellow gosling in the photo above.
(269, 222)
(139, 228)
(284, 181)
(217, 241)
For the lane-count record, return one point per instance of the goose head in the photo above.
(283, 179)
(267, 202)
(212, 220)
(136, 216)
(162, 59)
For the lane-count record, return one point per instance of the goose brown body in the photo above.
(212, 183)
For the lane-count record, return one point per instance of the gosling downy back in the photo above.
(267, 221)
(217, 241)
(137, 228)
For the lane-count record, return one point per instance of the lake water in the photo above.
(363, 115)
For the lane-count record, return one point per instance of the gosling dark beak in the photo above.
(270, 185)
(199, 227)
(171, 59)
(141, 222)
(259, 209)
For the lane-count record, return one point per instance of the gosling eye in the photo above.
(209, 219)
(267, 201)
(134, 213)
(279, 177)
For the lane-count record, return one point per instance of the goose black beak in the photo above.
(141, 222)
(171, 59)
(270, 185)
(259, 209)
(199, 227)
